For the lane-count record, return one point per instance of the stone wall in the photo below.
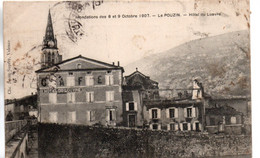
(86, 141)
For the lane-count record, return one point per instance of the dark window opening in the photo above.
(154, 113)
(131, 106)
(110, 115)
(172, 127)
(171, 113)
(155, 126)
(189, 111)
(185, 126)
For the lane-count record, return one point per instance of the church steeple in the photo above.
(50, 54)
(49, 40)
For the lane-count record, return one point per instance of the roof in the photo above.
(141, 74)
(84, 58)
(223, 110)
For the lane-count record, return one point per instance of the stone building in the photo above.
(182, 113)
(137, 87)
(224, 119)
(79, 90)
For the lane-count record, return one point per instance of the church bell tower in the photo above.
(50, 53)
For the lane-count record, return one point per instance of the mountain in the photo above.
(221, 63)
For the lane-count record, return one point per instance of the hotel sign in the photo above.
(61, 90)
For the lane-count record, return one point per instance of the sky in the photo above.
(108, 39)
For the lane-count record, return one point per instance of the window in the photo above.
(155, 126)
(89, 80)
(154, 113)
(70, 81)
(90, 97)
(72, 117)
(78, 66)
(173, 127)
(110, 96)
(189, 112)
(52, 97)
(53, 117)
(109, 80)
(131, 106)
(111, 115)
(71, 97)
(91, 116)
(171, 112)
(233, 120)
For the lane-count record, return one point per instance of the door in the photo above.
(131, 120)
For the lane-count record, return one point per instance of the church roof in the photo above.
(87, 64)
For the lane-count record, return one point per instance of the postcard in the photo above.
(130, 79)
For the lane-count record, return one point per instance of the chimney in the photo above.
(113, 63)
(118, 63)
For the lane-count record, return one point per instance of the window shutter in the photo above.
(87, 80)
(111, 79)
(127, 106)
(93, 115)
(181, 127)
(168, 113)
(151, 126)
(135, 104)
(189, 126)
(159, 126)
(107, 80)
(107, 96)
(185, 112)
(159, 113)
(112, 96)
(107, 115)
(176, 112)
(88, 116)
(176, 126)
(73, 97)
(194, 126)
(73, 117)
(193, 112)
(150, 113)
(53, 97)
(200, 127)
(114, 115)
(87, 96)
(91, 81)
(169, 127)
(92, 96)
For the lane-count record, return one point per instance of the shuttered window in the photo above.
(52, 97)
(53, 117)
(71, 117)
(90, 97)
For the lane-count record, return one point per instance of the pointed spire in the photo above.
(49, 34)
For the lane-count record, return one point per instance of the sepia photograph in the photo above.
(130, 79)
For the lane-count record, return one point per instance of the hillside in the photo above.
(221, 63)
